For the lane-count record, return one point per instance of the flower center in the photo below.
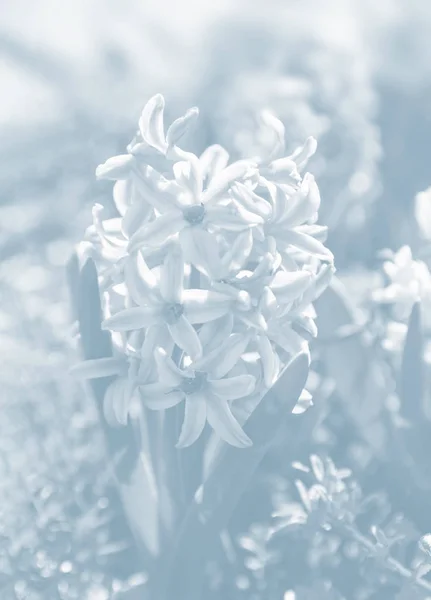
(191, 385)
(172, 312)
(194, 214)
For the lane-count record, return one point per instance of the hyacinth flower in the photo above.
(202, 246)
(408, 281)
(178, 309)
(128, 368)
(206, 391)
(289, 204)
(182, 204)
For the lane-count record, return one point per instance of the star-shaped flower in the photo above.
(206, 391)
(170, 304)
(196, 204)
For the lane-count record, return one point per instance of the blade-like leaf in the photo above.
(134, 477)
(73, 282)
(360, 376)
(95, 342)
(411, 384)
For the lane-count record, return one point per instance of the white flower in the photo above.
(409, 282)
(194, 213)
(287, 215)
(170, 304)
(217, 264)
(120, 392)
(206, 391)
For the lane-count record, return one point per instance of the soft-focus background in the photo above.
(355, 74)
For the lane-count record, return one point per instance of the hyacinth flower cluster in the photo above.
(407, 281)
(208, 274)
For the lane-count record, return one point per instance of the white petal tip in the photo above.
(158, 100)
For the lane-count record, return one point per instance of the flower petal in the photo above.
(307, 244)
(117, 401)
(269, 360)
(181, 126)
(248, 216)
(272, 122)
(110, 400)
(201, 250)
(220, 184)
(156, 336)
(288, 339)
(253, 318)
(163, 400)
(229, 218)
(134, 217)
(117, 167)
(267, 303)
(122, 193)
(113, 238)
(186, 337)
(172, 275)
(188, 176)
(233, 388)
(195, 416)
(99, 367)
(154, 188)
(223, 359)
(168, 371)
(305, 401)
(213, 160)
(305, 326)
(158, 231)
(213, 333)
(282, 170)
(304, 205)
(320, 232)
(302, 155)
(201, 306)
(151, 123)
(140, 281)
(224, 423)
(251, 201)
(320, 283)
(288, 286)
(133, 318)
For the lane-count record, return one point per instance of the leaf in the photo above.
(73, 282)
(95, 342)
(127, 454)
(415, 440)
(226, 483)
(411, 385)
(140, 500)
(361, 377)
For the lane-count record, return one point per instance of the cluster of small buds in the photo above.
(208, 274)
(329, 499)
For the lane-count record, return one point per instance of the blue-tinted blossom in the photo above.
(208, 274)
